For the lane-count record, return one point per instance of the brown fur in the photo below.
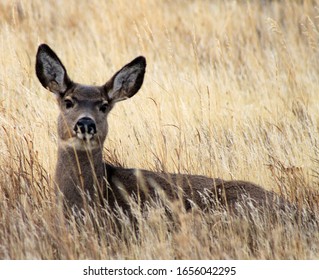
(80, 170)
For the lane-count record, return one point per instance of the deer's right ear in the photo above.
(51, 72)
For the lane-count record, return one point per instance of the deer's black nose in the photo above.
(85, 125)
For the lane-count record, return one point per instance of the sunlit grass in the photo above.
(231, 91)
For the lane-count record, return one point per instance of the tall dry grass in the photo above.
(231, 91)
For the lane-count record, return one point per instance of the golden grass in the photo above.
(231, 91)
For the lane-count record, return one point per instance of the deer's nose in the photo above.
(85, 126)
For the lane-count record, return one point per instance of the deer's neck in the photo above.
(79, 173)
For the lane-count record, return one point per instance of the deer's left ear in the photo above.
(51, 72)
(126, 82)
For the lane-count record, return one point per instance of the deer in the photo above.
(82, 129)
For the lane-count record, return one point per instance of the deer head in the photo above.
(82, 123)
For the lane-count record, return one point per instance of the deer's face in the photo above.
(82, 123)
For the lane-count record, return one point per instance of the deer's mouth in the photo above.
(86, 136)
(82, 142)
(85, 141)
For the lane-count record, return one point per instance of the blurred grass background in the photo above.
(231, 91)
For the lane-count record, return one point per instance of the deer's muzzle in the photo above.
(85, 128)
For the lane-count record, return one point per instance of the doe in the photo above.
(82, 129)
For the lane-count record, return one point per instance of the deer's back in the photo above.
(203, 191)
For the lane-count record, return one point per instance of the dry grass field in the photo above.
(231, 91)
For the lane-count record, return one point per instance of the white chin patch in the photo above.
(82, 141)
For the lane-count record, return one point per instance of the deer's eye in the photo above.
(68, 103)
(103, 107)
